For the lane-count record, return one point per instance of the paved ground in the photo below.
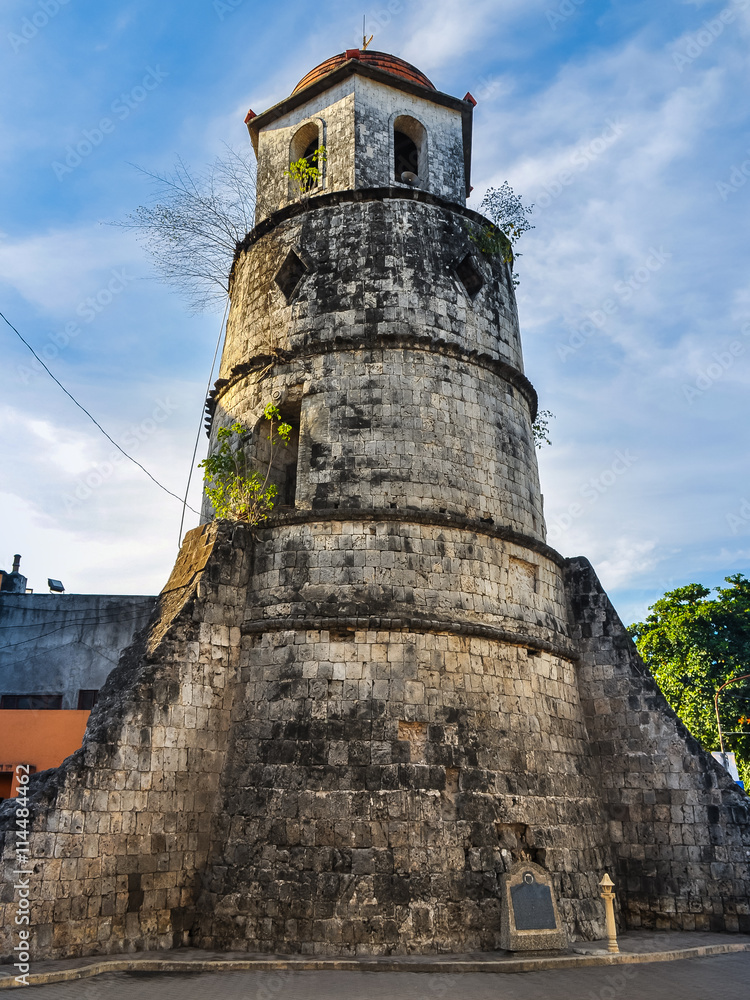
(721, 977)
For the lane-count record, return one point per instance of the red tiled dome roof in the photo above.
(378, 60)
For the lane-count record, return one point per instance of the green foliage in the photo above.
(491, 241)
(692, 645)
(541, 427)
(306, 171)
(237, 491)
(509, 220)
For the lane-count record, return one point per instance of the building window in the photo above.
(409, 150)
(31, 701)
(283, 472)
(305, 142)
(87, 699)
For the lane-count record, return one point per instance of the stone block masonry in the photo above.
(121, 831)
(333, 783)
(342, 729)
(679, 826)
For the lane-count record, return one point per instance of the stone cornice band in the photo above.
(409, 515)
(402, 623)
(412, 342)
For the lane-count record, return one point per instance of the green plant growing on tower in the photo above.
(307, 170)
(237, 491)
(509, 220)
(541, 428)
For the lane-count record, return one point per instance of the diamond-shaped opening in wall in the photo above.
(289, 275)
(469, 275)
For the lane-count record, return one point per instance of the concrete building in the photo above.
(56, 651)
(60, 647)
(343, 727)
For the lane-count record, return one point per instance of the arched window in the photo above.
(305, 142)
(409, 149)
(283, 470)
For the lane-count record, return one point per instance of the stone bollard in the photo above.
(608, 895)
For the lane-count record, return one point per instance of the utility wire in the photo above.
(200, 425)
(36, 638)
(95, 422)
(105, 620)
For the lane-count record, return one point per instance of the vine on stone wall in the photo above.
(235, 490)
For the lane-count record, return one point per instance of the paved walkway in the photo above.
(723, 976)
(696, 966)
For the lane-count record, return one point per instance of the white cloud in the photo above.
(59, 269)
(444, 31)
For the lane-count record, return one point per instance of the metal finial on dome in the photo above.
(365, 40)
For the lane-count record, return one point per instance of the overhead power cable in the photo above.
(101, 620)
(36, 638)
(92, 419)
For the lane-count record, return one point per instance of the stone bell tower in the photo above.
(408, 719)
(341, 729)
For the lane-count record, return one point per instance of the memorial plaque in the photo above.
(532, 905)
(530, 920)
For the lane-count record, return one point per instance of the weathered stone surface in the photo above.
(341, 730)
(678, 825)
(354, 120)
(529, 915)
(121, 831)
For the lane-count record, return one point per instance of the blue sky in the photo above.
(627, 124)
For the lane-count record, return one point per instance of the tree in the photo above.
(541, 428)
(692, 645)
(506, 210)
(192, 231)
(235, 489)
(509, 220)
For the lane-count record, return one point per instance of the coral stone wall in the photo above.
(120, 832)
(280, 765)
(379, 783)
(339, 567)
(378, 263)
(401, 429)
(334, 118)
(354, 119)
(679, 825)
(410, 391)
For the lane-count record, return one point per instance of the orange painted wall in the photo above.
(42, 738)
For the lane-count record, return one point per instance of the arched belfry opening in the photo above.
(409, 149)
(305, 141)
